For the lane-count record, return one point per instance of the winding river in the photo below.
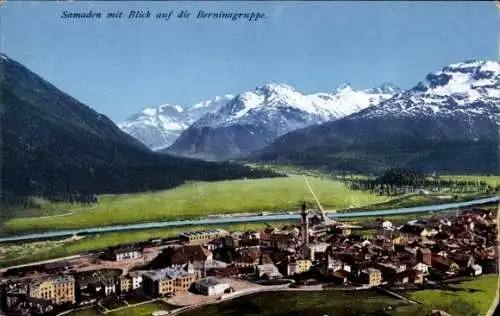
(245, 219)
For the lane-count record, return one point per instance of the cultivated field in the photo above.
(196, 200)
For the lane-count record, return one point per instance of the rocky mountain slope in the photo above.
(51, 144)
(449, 121)
(253, 119)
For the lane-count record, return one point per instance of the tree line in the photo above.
(397, 182)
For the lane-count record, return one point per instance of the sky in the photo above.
(120, 66)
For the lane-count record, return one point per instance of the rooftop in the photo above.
(166, 273)
(204, 232)
(209, 281)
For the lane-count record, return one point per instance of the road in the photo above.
(246, 219)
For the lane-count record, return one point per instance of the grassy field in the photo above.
(197, 200)
(142, 310)
(21, 253)
(338, 303)
(420, 200)
(469, 298)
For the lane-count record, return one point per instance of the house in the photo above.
(401, 278)
(400, 240)
(214, 244)
(297, 266)
(59, 290)
(416, 276)
(168, 280)
(421, 267)
(387, 225)
(475, 270)
(124, 284)
(195, 254)
(371, 276)
(444, 264)
(109, 287)
(97, 282)
(268, 271)
(233, 240)
(424, 255)
(211, 286)
(339, 276)
(311, 250)
(248, 259)
(332, 265)
(124, 253)
(136, 279)
(202, 236)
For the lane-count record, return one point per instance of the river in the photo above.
(244, 219)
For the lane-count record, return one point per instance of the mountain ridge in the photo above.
(254, 118)
(455, 106)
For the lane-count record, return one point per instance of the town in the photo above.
(200, 267)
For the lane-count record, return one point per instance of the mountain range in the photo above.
(52, 143)
(447, 122)
(235, 126)
(159, 127)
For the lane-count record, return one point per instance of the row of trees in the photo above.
(35, 201)
(397, 182)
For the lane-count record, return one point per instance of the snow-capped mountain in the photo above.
(471, 87)
(253, 119)
(159, 127)
(449, 121)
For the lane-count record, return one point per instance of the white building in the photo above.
(126, 253)
(476, 270)
(211, 286)
(386, 225)
(421, 267)
(136, 280)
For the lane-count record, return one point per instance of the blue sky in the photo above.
(119, 67)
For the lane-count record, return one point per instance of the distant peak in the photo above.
(344, 87)
(274, 86)
(387, 88)
(149, 111)
(473, 64)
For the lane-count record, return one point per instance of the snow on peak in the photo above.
(387, 88)
(149, 111)
(160, 127)
(275, 102)
(470, 87)
(275, 87)
(344, 88)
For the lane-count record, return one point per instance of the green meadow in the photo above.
(469, 298)
(146, 309)
(335, 303)
(194, 200)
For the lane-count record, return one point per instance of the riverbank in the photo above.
(246, 219)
